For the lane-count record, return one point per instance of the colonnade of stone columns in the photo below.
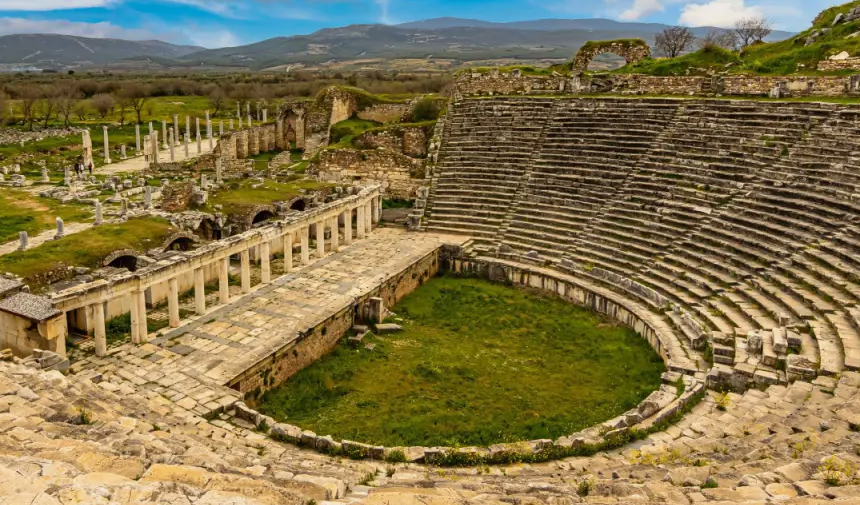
(365, 216)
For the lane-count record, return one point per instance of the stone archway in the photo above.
(632, 50)
(181, 241)
(125, 258)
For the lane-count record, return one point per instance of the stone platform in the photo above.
(191, 365)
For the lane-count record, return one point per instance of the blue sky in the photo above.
(220, 23)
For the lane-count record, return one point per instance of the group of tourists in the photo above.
(81, 167)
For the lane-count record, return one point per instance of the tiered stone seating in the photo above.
(588, 151)
(740, 213)
(489, 145)
(73, 441)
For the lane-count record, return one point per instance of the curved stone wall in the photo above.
(649, 415)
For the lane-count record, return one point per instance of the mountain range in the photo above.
(455, 40)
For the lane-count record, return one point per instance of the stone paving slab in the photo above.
(191, 364)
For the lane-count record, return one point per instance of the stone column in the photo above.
(220, 127)
(246, 271)
(209, 134)
(250, 122)
(240, 122)
(188, 126)
(175, 130)
(360, 221)
(199, 143)
(320, 238)
(279, 131)
(137, 139)
(122, 153)
(208, 126)
(172, 153)
(265, 116)
(186, 145)
(45, 177)
(265, 263)
(238, 109)
(107, 146)
(335, 235)
(99, 331)
(98, 213)
(60, 229)
(138, 317)
(197, 127)
(173, 302)
(288, 252)
(224, 281)
(306, 253)
(231, 124)
(347, 227)
(199, 292)
(368, 216)
(154, 148)
(147, 197)
(151, 130)
(164, 134)
(24, 240)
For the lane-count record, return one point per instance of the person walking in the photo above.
(91, 168)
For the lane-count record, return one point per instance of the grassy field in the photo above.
(245, 193)
(477, 363)
(87, 248)
(22, 211)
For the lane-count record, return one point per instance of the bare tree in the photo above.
(751, 30)
(719, 38)
(29, 96)
(4, 108)
(103, 103)
(674, 40)
(68, 97)
(81, 109)
(46, 106)
(135, 97)
(218, 99)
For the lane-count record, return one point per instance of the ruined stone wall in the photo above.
(411, 141)
(514, 83)
(227, 146)
(399, 175)
(649, 84)
(176, 197)
(241, 144)
(815, 85)
(384, 112)
(838, 65)
(253, 142)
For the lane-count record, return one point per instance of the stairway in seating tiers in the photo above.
(735, 219)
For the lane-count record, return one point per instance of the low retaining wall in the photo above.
(515, 83)
(650, 415)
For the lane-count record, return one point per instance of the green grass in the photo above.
(791, 56)
(342, 133)
(242, 194)
(22, 211)
(477, 363)
(87, 248)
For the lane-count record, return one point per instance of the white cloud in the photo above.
(51, 5)
(721, 13)
(9, 25)
(212, 37)
(384, 17)
(640, 9)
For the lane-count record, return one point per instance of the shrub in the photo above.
(426, 109)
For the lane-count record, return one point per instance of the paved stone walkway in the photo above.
(45, 236)
(191, 364)
(136, 164)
